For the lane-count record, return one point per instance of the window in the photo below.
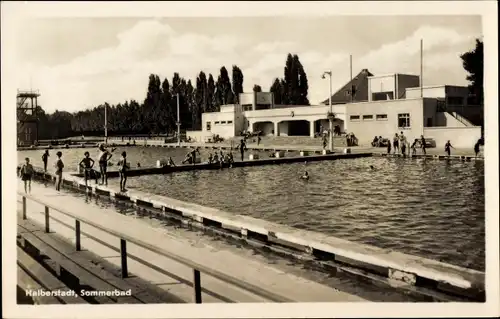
(217, 122)
(223, 122)
(354, 117)
(404, 120)
(209, 127)
(381, 117)
(229, 122)
(367, 117)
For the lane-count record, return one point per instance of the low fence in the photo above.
(124, 239)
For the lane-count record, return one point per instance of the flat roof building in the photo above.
(369, 105)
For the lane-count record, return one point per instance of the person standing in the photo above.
(124, 166)
(104, 157)
(388, 146)
(402, 141)
(242, 147)
(26, 173)
(45, 160)
(476, 147)
(395, 143)
(59, 170)
(422, 144)
(448, 147)
(87, 164)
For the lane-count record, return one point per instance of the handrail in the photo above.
(197, 268)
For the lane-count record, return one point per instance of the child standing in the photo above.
(59, 170)
(414, 148)
(124, 166)
(26, 173)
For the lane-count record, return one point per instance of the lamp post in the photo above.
(330, 117)
(105, 124)
(178, 122)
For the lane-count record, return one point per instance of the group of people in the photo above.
(87, 164)
(218, 158)
(399, 144)
(221, 158)
(27, 170)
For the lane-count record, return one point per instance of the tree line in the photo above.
(157, 114)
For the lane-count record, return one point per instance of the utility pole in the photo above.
(178, 122)
(421, 68)
(421, 75)
(105, 123)
(350, 70)
(330, 116)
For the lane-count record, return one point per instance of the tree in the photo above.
(276, 91)
(257, 88)
(166, 114)
(224, 85)
(152, 103)
(237, 83)
(210, 93)
(303, 86)
(200, 105)
(473, 63)
(218, 97)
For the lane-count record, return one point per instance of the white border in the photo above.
(13, 12)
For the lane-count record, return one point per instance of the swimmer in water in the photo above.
(306, 174)
(372, 168)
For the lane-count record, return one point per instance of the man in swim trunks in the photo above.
(104, 157)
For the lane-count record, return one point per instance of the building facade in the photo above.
(394, 104)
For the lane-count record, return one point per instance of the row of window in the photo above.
(209, 125)
(379, 117)
(403, 118)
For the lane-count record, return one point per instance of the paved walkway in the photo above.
(252, 271)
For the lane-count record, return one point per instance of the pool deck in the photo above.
(410, 269)
(256, 162)
(256, 272)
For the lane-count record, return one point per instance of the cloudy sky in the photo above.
(78, 63)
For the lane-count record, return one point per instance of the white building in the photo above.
(392, 103)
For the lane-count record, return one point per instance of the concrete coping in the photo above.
(389, 263)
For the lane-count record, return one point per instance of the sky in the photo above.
(78, 63)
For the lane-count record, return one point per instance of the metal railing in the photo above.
(462, 119)
(197, 268)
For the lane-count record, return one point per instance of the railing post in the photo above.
(24, 208)
(197, 286)
(77, 234)
(47, 218)
(123, 255)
